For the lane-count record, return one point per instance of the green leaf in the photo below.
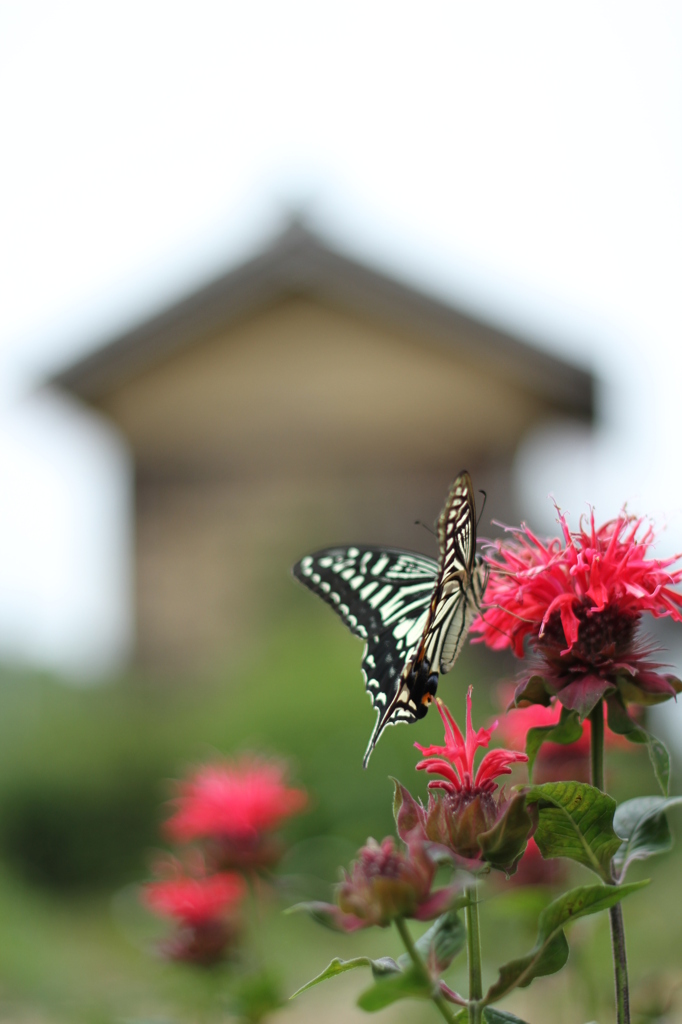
(576, 821)
(534, 690)
(643, 826)
(550, 952)
(567, 730)
(504, 844)
(493, 1016)
(621, 723)
(384, 966)
(439, 946)
(407, 985)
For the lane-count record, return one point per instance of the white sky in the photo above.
(525, 158)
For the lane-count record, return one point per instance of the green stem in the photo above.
(474, 955)
(620, 962)
(421, 968)
(597, 746)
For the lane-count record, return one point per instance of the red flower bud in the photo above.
(385, 883)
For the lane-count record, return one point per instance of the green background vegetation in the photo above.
(85, 773)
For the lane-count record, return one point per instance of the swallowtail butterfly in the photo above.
(413, 613)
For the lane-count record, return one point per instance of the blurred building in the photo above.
(300, 400)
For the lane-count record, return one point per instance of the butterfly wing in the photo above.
(384, 596)
(465, 606)
(461, 579)
(457, 529)
(412, 612)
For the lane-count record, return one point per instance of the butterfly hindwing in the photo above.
(465, 609)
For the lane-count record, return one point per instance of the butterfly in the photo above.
(412, 612)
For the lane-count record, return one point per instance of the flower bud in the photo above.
(385, 883)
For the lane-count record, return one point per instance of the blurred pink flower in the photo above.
(205, 909)
(195, 901)
(237, 806)
(533, 869)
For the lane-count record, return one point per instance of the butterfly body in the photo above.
(412, 612)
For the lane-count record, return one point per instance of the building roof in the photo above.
(299, 262)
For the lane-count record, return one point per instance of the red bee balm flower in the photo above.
(468, 817)
(204, 908)
(580, 604)
(195, 901)
(236, 806)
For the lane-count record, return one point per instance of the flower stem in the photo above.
(474, 955)
(620, 963)
(597, 746)
(421, 968)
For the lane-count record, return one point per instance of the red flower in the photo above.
(385, 883)
(460, 752)
(580, 604)
(195, 901)
(468, 818)
(204, 908)
(237, 806)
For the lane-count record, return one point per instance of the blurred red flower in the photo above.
(236, 805)
(205, 909)
(514, 726)
(195, 901)
(580, 603)
(533, 869)
(555, 762)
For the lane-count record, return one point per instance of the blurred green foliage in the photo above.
(85, 773)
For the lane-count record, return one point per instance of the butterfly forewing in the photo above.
(457, 528)
(383, 595)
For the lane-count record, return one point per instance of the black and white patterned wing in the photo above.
(384, 596)
(457, 529)
(462, 576)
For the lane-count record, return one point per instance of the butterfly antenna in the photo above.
(480, 514)
(499, 608)
(492, 625)
(418, 522)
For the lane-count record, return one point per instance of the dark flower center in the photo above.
(602, 635)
